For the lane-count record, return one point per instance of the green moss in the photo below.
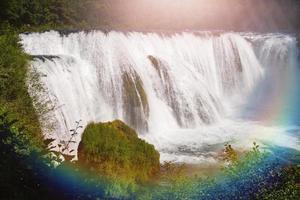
(135, 99)
(113, 149)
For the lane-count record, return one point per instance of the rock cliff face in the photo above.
(113, 149)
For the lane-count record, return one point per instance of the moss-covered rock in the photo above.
(135, 101)
(114, 150)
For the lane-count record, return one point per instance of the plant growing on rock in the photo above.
(113, 149)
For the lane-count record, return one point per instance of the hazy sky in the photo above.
(206, 14)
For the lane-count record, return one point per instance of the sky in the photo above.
(261, 15)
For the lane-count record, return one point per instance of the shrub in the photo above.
(14, 94)
(113, 149)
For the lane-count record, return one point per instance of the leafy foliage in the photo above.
(14, 94)
(111, 149)
(114, 149)
(28, 14)
(230, 155)
(254, 175)
(17, 163)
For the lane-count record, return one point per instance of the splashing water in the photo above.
(187, 93)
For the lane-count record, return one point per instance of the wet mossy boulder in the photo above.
(114, 150)
(135, 101)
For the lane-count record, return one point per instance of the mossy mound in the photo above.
(114, 150)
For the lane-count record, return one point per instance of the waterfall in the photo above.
(177, 90)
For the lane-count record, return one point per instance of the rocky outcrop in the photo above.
(113, 149)
(135, 101)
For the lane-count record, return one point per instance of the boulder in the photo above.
(113, 149)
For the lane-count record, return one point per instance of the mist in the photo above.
(237, 15)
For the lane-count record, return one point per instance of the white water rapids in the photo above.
(187, 93)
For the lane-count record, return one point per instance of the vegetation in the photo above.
(24, 165)
(43, 14)
(253, 175)
(37, 15)
(24, 169)
(130, 166)
(14, 93)
(264, 176)
(113, 149)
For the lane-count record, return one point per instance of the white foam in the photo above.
(195, 95)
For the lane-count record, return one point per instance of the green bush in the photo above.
(46, 14)
(271, 178)
(18, 178)
(14, 92)
(113, 149)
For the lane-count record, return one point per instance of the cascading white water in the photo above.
(178, 91)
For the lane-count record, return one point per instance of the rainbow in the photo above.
(263, 71)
